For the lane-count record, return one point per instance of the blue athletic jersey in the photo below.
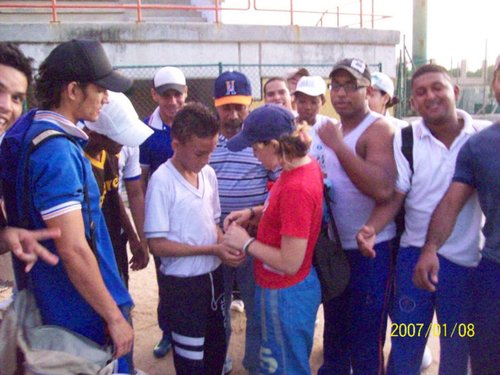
(157, 149)
(58, 172)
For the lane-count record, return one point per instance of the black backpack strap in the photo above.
(407, 145)
(35, 143)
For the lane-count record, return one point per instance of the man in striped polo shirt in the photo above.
(242, 183)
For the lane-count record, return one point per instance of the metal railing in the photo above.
(290, 7)
(138, 6)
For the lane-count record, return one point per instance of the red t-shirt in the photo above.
(293, 208)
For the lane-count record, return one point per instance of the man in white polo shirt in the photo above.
(421, 183)
(477, 170)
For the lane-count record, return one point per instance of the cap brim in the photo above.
(115, 81)
(134, 135)
(170, 86)
(235, 99)
(310, 92)
(239, 142)
(357, 75)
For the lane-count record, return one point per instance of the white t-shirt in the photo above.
(128, 166)
(180, 212)
(318, 149)
(128, 163)
(434, 165)
(395, 122)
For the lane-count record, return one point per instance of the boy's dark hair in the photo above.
(12, 56)
(194, 120)
(429, 68)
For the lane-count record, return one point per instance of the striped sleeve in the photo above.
(60, 209)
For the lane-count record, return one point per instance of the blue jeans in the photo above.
(485, 315)
(287, 319)
(414, 306)
(246, 281)
(356, 321)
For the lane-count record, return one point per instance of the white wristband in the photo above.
(247, 245)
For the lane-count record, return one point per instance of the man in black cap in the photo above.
(360, 164)
(83, 292)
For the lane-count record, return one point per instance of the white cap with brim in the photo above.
(119, 121)
(311, 85)
(382, 82)
(169, 78)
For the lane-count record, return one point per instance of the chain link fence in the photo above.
(476, 95)
(200, 80)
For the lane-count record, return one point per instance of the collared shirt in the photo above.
(59, 174)
(434, 165)
(68, 127)
(157, 149)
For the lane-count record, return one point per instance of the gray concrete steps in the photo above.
(36, 15)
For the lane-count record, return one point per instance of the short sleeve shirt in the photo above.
(58, 173)
(433, 165)
(180, 212)
(157, 149)
(294, 208)
(478, 165)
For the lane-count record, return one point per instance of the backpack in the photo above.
(14, 178)
(47, 349)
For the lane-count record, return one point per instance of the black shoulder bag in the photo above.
(330, 260)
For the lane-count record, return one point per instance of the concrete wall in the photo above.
(202, 43)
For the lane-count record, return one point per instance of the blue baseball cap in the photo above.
(232, 88)
(263, 124)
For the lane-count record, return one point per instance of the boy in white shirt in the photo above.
(181, 225)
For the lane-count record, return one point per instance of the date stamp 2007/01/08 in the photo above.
(432, 329)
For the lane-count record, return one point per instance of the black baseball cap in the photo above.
(356, 68)
(85, 61)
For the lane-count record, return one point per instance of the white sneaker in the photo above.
(238, 305)
(426, 359)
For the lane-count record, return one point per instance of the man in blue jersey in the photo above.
(83, 292)
(242, 183)
(169, 92)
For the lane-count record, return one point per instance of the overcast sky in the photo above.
(457, 29)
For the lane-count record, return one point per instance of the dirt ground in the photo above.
(144, 291)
